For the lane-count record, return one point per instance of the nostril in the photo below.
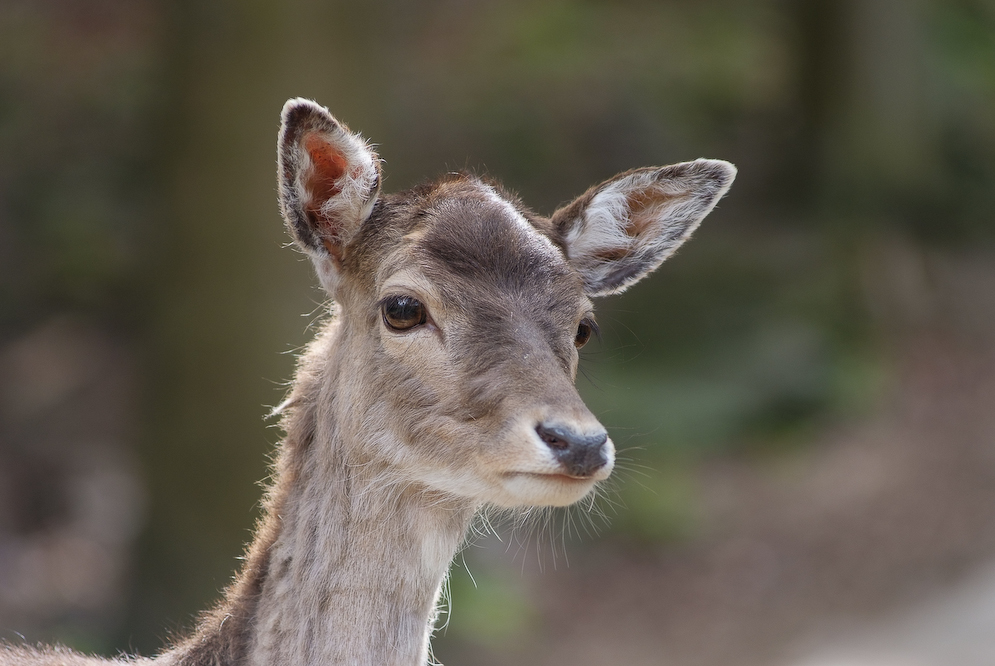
(562, 437)
(554, 437)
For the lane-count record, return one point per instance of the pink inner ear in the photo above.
(329, 165)
(644, 207)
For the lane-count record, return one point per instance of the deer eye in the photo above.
(402, 312)
(584, 330)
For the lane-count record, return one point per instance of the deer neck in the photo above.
(355, 572)
(356, 566)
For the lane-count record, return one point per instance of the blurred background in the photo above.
(803, 398)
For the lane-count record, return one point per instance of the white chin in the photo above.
(524, 489)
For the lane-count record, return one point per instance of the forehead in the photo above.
(471, 238)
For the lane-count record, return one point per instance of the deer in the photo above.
(441, 384)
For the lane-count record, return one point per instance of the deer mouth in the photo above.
(550, 488)
(562, 477)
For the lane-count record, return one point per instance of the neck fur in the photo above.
(356, 570)
(347, 563)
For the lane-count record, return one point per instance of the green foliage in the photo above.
(656, 504)
(72, 182)
(489, 605)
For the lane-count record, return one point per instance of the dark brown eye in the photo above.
(402, 312)
(584, 331)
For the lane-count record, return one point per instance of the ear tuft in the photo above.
(621, 230)
(329, 180)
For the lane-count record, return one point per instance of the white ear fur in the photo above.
(329, 183)
(621, 230)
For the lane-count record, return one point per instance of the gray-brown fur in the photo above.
(395, 437)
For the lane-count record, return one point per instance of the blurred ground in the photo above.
(953, 627)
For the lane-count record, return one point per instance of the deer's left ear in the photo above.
(619, 231)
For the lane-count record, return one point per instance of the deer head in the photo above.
(460, 311)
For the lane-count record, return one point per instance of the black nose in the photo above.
(580, 454)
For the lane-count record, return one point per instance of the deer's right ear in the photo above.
(329, 180)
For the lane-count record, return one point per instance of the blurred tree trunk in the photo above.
(862, 98)
(883, 135)
(228, 302)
